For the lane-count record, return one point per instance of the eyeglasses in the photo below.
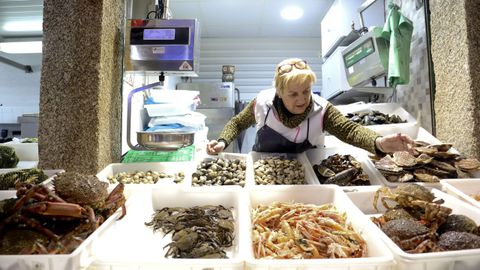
(285, 68)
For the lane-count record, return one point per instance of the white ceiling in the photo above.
(218, 18)
(20, 10)
(251, 18)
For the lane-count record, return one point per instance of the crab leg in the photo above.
(116, 198)
(32, 223)
(56, 209)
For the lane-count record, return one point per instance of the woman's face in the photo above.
(296, 96)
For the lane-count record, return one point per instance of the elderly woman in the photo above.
(289, 119)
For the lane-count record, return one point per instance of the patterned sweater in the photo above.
(334, 123)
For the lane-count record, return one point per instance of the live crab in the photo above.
(40, 209)
(417, 200)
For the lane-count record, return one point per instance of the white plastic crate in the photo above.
(316, 155)
(410, 127)
(390, 184)
(80, 258)
(310, 177)
(224, 155)
(130, 244)
(378, 255)
(447, 260)
(437, 185)
(22, 165)
(24, 151)
(166, 167)
(421, 135)
(424, 135)
(463, 189)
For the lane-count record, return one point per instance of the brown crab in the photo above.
(458, 223)
(417, 200)
(458, 241)
(410, 235)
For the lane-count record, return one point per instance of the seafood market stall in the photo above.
(254, 211)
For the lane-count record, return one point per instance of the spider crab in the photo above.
(80, 202)
(417, 200)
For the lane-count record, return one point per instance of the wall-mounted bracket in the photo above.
(26, 68)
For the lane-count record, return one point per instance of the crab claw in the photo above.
(116, 199)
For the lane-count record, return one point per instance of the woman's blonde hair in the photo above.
(283, 79)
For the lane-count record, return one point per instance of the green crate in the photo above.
(183, 154)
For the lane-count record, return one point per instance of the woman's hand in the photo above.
(395, 142)
(214, 147)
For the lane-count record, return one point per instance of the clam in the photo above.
(468, 164)
(404, 159)
(423, 176)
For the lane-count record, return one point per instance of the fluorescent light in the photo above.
(292, 13)
(23, 26)
(21, 47)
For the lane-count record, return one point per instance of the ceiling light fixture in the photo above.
(23, 26)
(21, 47)
(291, 13)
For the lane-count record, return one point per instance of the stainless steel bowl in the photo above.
(164, 141)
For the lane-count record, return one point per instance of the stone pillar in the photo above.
(80, 97)
(456, 59)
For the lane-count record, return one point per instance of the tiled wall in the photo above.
(415, 97)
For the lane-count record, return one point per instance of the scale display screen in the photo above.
(358, 53)
(159, 34)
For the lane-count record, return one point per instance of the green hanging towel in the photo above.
(398, 31)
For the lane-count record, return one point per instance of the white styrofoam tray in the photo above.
(165, 167)
(224, 155)
(378, 255)
(80, 258)
(130, 244)
(447, 260)
(462, 189)
(410, 127)
(24, 151)
(317, 155)
(310, 177)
